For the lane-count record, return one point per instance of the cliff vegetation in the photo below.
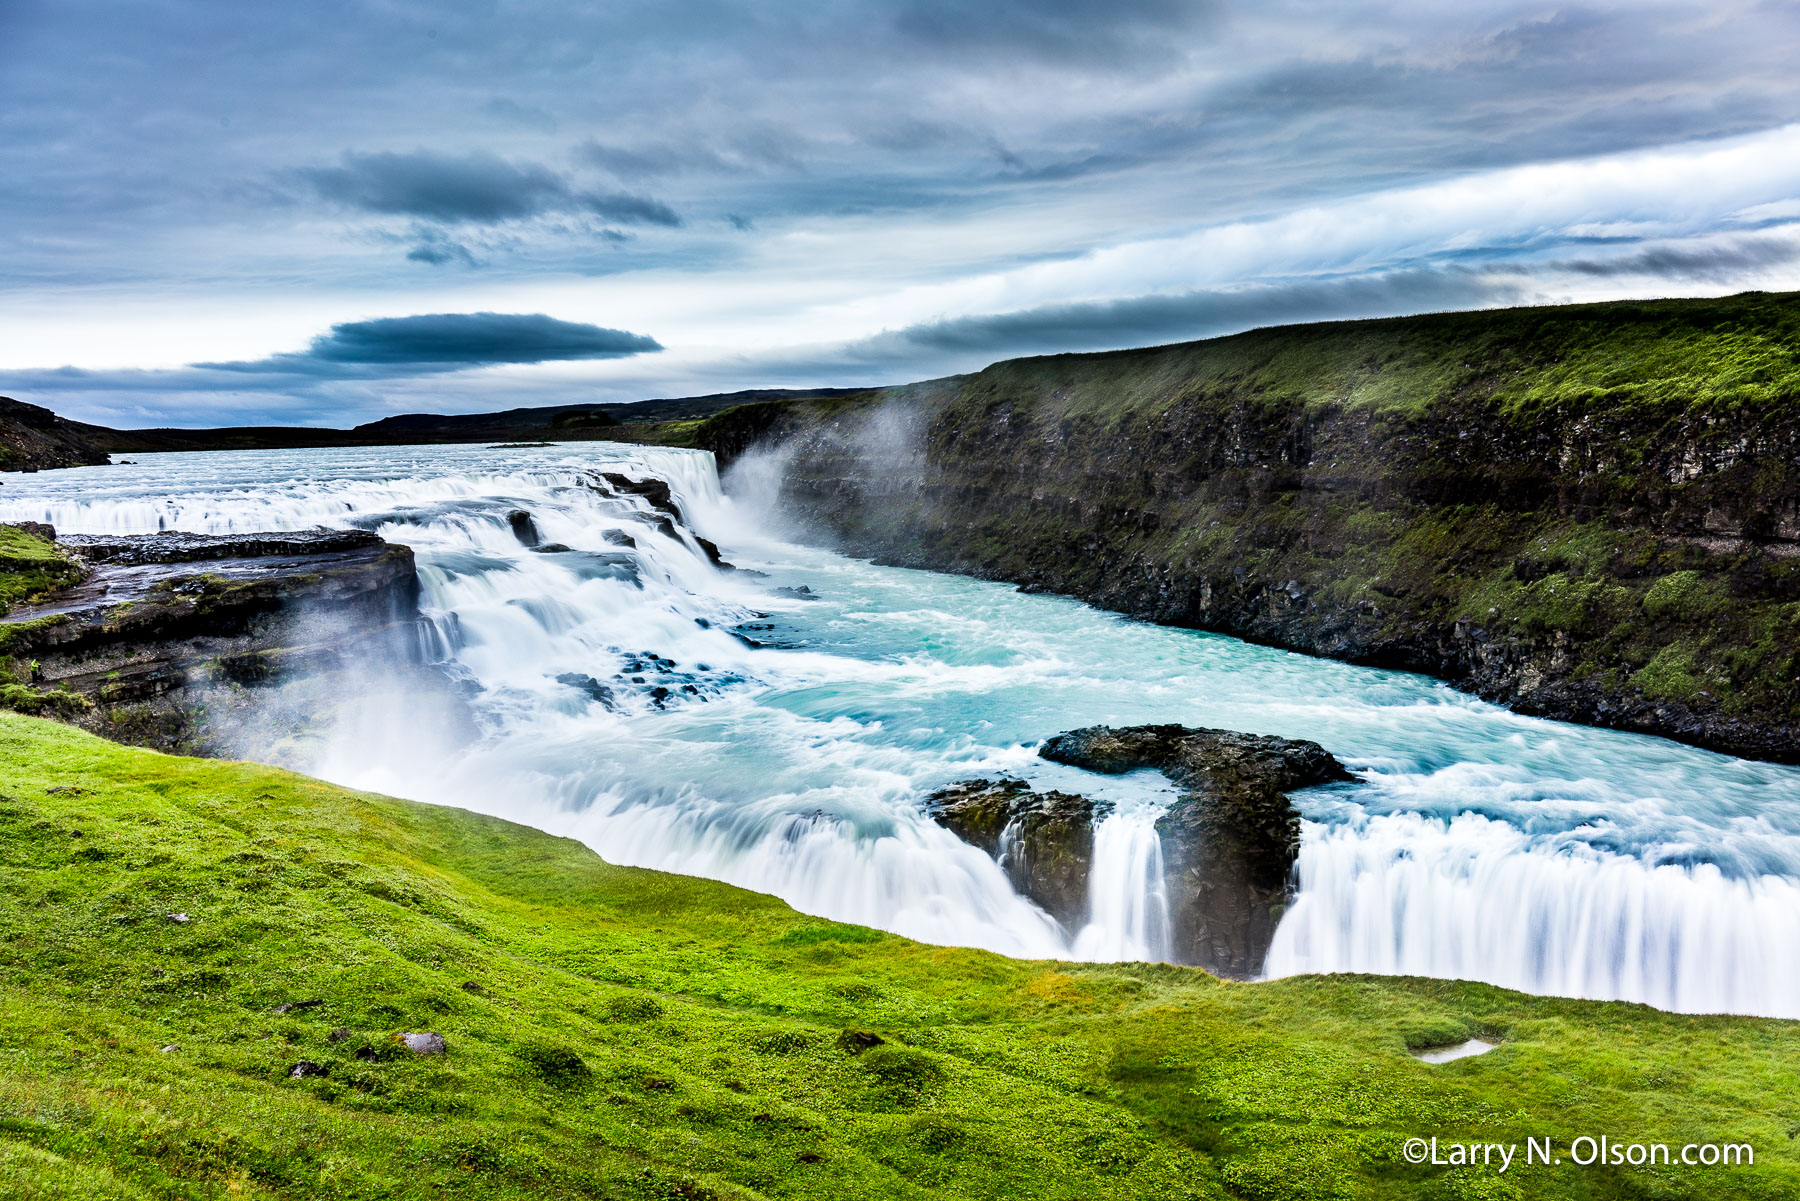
(1589, 512)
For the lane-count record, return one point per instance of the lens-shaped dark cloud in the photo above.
(1704, 263)
(433, 342)
(474, 187)
(628, 209)
(1148, 320)
(479, 188)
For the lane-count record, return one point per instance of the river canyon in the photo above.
(675, 677)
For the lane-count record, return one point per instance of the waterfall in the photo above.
(1128, 902)
(778, 728)
(1475, 899)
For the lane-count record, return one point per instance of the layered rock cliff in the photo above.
(167, 640)
(1588, 512)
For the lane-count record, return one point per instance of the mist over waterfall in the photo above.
(776, 721)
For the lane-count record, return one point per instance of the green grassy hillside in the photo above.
(627, 1034)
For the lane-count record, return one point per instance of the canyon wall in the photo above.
(1585, 512)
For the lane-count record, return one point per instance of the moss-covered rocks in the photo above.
(1230, 841)
(1044, 840)
(153, 639)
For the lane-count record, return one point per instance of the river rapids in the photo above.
(779, 727)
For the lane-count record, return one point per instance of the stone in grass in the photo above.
(338, 1035)
(858, 1041)
(305, 1068)
(423, 1043)
(290, 1006)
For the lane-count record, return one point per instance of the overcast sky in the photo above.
(214, 211)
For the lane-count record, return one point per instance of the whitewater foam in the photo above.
(673, 715)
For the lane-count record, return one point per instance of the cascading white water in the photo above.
(1477, 899)
(616, 700)
(1128, 902)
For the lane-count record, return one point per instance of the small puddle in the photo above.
(1461, 1051)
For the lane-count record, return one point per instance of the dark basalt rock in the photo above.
(594, 689)
(524, 528)
(655, 491)
(1230, 842)
(290, 1006)
(137, 550)
(34, 438)
(1044, 841)
(710, 549)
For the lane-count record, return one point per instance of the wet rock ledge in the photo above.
(1229, 842)
(161, 636)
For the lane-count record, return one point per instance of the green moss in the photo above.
(628, 1034)
(1684, 595)
(1672, 675)
(19, 637)
(57, 702)
(21, 549)
(29, 567)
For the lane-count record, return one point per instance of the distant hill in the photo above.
(34, 438)
(554, 423)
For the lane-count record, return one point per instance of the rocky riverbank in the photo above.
(162, 640)
(1589, 513)
(1229, 841)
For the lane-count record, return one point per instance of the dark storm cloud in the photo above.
(1713, 263)
(478, 188)
(627, 209)
(446, 342)
(1150, 320)
(473, 187)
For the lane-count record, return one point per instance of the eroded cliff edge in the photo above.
(177, 641)
(1586, 512)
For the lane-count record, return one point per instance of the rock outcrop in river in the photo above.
(1044, 840)
(1229, 842)
(1589, 512)
(160, 635)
